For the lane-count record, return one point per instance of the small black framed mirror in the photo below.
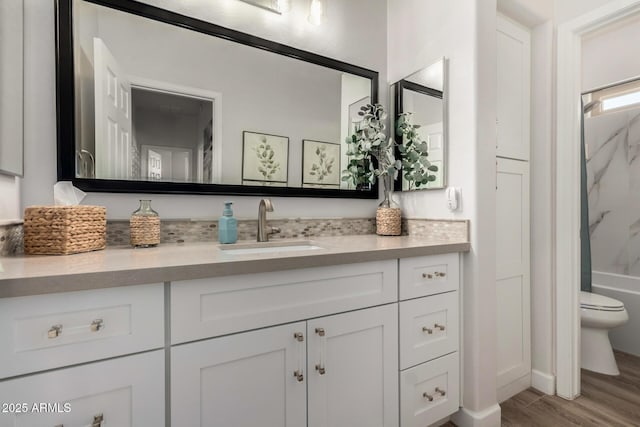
(420, 113)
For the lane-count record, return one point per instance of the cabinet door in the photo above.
(243, 380)
(353, 369)
(514, 88)
(123, 392)
(512, 277)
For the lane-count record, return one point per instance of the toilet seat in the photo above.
(591, 301)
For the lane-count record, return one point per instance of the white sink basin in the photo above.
(268, 247)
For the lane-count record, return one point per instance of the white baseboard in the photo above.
(514, 387)
(489, 417)
(543, 382)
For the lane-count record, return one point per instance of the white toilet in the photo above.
(598, 314)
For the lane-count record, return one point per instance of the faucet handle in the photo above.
(275, 230)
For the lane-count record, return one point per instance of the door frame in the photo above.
(567, 202)
(192, 92)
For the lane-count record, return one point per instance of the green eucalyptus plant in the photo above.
(368, 143)
(416, 167)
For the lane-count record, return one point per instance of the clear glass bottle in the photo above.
(144, 226)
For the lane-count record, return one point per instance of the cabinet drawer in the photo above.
(211, 307)
(428, 328)
(422, 276)
(49, 331)
(420, 403)
(125, 392)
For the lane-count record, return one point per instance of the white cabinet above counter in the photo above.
(305, 338)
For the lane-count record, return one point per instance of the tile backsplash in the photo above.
(179, 231)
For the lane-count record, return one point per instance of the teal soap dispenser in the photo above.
(227, 225)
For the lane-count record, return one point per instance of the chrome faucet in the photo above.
(263, 230)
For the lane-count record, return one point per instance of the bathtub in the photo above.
(627, 290)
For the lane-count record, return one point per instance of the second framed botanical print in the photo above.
(320, 164)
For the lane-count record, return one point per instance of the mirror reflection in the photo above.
(421, 123)
(156, 102)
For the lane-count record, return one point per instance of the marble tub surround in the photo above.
(124, 266)
(613, 183)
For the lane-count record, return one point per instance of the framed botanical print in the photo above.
(265, 159)
(320, 164)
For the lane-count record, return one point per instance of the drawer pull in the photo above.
(299, 336)
(299, 375)
(54, 331)
(320, 331)
(427, 276)
(96, 325)
(320, 369)
(427, 396)
(440, 391)
(440, 274)
(427, 330)
(441, 327)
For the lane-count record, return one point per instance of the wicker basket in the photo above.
(388, 221)
(62, 230)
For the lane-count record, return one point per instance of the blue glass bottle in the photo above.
(227, 225)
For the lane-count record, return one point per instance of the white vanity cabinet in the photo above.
(83, 341)
(338, 370)
(330, 369)
(123, 392)
(429, 339)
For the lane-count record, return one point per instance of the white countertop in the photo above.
(124, 266)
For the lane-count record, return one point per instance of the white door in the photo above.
(250, 379)
(112, 115)
(353, 369)
(514, 87)
(123, 392)
(154, 160)
(512, 277)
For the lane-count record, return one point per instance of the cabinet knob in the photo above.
(437, 326)
(299, 336)
(96, 325)
(299, 375)
(427, 330)
(54, 331)
(440, 391)
(320, 369)
(320, 331)
(427, 276)
(427, 396)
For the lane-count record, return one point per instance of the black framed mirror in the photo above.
(152, 101)
(420, 106)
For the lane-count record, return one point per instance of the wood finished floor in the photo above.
(605, 402)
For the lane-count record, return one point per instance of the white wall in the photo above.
(335, 38)
(9, 198)
(464, 32)
(608, 55)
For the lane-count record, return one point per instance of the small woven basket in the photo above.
(145, 230)
(63, 230)
(388, 221)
